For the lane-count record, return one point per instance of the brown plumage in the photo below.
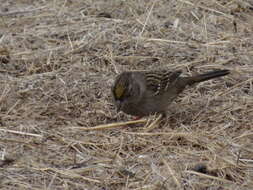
(142, 93)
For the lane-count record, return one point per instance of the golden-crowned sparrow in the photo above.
(142, 93)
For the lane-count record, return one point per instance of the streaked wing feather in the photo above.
(159, 81)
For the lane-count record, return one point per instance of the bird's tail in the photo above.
(206, 76)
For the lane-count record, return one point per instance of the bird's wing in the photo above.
(159, 81)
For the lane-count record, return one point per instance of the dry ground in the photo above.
(58, 60)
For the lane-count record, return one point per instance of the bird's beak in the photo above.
(118, 105)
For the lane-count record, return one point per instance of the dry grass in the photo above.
(57, 62)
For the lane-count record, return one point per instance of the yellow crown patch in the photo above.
(119, 90)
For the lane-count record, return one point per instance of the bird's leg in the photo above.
(137, 118)
(164, 115)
